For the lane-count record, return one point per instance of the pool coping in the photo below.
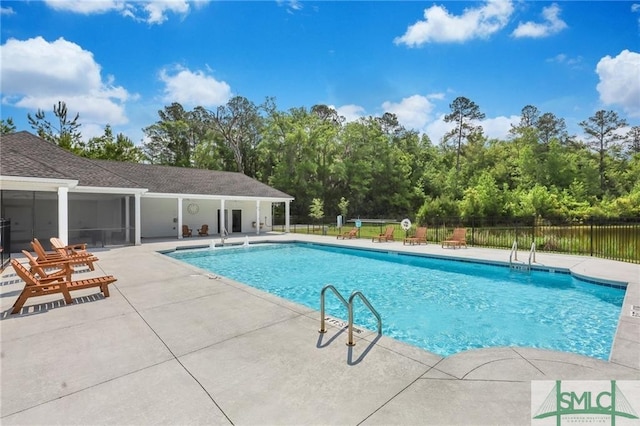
(230, 378)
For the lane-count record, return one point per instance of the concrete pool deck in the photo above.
(177, 345)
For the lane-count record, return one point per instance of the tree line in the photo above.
(376, 168)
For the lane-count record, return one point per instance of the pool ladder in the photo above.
(349, 306)
(521, 266)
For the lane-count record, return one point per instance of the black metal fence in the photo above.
(616, 239)
(5, 243)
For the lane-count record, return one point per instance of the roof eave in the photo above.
(109, 190)
(23, 183)
(216, 197)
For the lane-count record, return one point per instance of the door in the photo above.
(236, 220)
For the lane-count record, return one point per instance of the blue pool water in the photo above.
(442, 306)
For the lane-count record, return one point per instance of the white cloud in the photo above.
(37, 74)
(619, 82)
(291, 5)
(552, 24)
(412, 112)
(150, 11)
(193, 88)
(440, 26)
(6, 11)
(437, 129)
(417, 113)
(85, 7)
(573, 63)
(157, 10)
(350, 112)
(492, 128)
(498, 127)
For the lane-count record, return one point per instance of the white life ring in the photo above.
(406, 224)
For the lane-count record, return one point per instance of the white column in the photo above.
(63, 214)
(258, 217)
(287, 213)
(179, 226)
(138, 239)
(223, 230)
(127, 219)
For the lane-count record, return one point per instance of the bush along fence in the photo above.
(616, 239)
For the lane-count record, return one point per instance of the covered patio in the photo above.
(47, 191)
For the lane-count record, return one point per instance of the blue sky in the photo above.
(118, 62)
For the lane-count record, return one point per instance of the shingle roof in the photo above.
(23, 154)
(179, 180)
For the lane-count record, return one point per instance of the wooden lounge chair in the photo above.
(35, 286)
(43, 254)
(62, 255)
(44, 268)
(353, 233)
(458, 239)
(387, 236)
(71, 249)
(186, 231)
(419, 237)
(204, 231)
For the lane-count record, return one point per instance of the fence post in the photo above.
(591, 237)
(473, 230)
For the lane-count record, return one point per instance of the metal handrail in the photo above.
(338, 295)
(532, 252)
(371, 308)
(349, 306)
(514, 249)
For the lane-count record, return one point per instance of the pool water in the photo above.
(443, 306)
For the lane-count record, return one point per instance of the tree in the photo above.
(484, 199)
(551, 127)
(239, 125)
(106, 147)
(343, 207)
(602, 134)
(171, 139)
(65, 134)
(295, 155)
(7, 126)
(316, 209)
(327, 113)
(529, 116)
(463, 113)
(527, 130)
(633, 140)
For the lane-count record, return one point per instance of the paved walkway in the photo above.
(175, 345)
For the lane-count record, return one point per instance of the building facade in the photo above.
(47, 191)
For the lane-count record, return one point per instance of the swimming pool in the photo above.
(442, 306)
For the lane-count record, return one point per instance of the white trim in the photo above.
(21, 183)
(137, 220)
(216, 197)
(108, 190)
(287, 217)
(179, 223)
(258, 217)
(63, 214)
